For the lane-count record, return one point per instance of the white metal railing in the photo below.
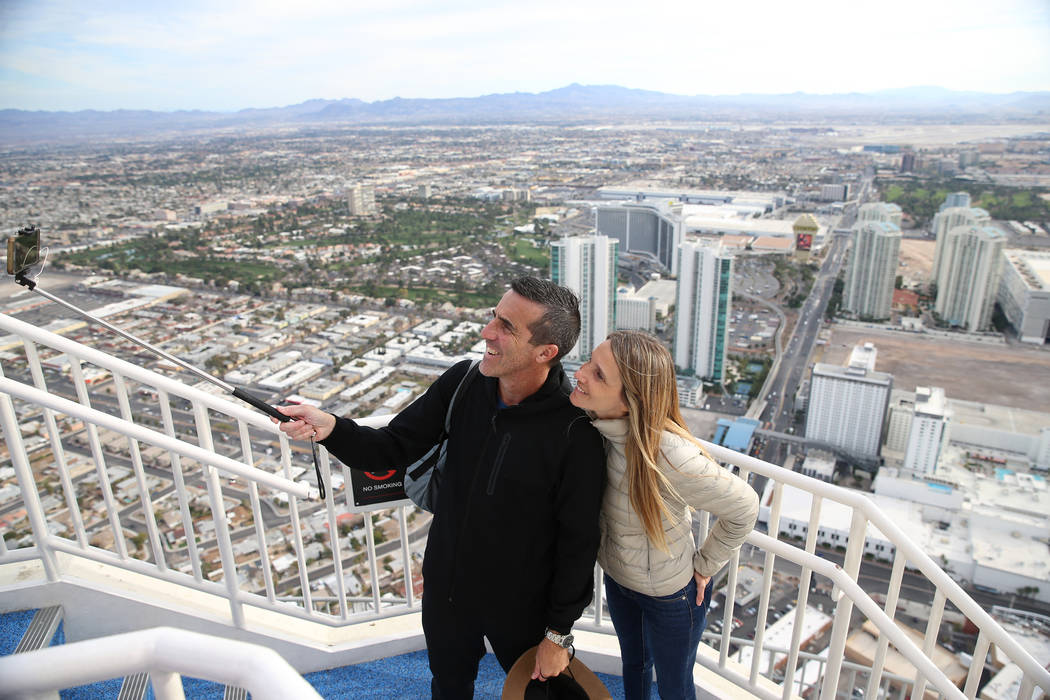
(294, 595)
(197, 476)
(165, 653)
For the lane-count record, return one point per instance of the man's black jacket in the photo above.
(516, 521)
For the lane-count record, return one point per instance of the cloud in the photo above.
(197, 54)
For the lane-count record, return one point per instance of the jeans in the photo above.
(657, 630)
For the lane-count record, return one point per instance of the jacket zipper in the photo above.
(466, 514)
(498, 465)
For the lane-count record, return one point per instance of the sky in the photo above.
(226, 55)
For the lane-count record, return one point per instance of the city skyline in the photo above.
(61, 56)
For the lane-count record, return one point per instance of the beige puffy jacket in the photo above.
(625, 552)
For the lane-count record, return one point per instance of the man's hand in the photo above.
(551, 660)
(312, 423)
(701, 586)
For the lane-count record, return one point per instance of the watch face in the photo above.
(562, 640)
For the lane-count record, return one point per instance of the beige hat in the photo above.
(569, 683)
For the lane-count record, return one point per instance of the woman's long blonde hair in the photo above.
(649, 389)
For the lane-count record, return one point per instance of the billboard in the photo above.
(803, 240)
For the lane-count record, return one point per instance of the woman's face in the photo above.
(598, 386)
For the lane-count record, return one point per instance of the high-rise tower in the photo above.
(971, 266)
(929, 430)
(881, 211)
(847, 405)
(587, 265)
(868, 290)
(956, 211)
(361, 199)
(705, 280)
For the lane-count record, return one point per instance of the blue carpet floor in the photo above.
(407, 677)
(404, 677)
(13, 626)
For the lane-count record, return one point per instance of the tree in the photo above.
(139, 539)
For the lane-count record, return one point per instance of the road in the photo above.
(777, 402)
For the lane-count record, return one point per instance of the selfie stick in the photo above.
(266, 408)
(242, 395)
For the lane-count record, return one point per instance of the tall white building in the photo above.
(587, 266)
(705, 290)
(880, 211)
(361, 199)
(971, 266)
(847, 405)
(929, 431)
(948, 218)
(868, 290)
(898, 427)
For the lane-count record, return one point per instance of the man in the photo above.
(511, 549)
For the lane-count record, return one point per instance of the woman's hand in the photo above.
(312, 423)
(701, 586)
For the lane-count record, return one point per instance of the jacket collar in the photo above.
(612, 429)
(553, 392)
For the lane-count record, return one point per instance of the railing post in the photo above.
(167, 685)
(149, 515)
(218, 510)
(24, 473)
(803, 595)
(406, 557)
(336, 539)
(181, 491)
(373, 560)
(892, 593)
(844, 607)
(297, 528)
(68, 488)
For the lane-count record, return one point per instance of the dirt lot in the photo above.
(1003, 375)
(916, 256)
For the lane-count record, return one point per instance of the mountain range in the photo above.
(573, 103)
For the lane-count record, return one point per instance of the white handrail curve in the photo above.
(954, 592)
(159, 650)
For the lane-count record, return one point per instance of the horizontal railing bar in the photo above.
(143, 434)
(136, 372)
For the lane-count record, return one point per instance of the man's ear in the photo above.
(546, 353)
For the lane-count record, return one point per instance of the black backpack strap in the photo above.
(471, 371)
(428, 461)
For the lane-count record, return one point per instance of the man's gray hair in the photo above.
(560, 323)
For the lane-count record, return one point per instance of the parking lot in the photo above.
(1006, 375)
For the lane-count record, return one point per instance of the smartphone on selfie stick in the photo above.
(23, 258)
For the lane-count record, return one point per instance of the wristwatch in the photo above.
(562, 640)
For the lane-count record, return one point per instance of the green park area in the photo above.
(223, 250)
(922, 199)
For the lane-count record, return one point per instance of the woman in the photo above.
(657, 584)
